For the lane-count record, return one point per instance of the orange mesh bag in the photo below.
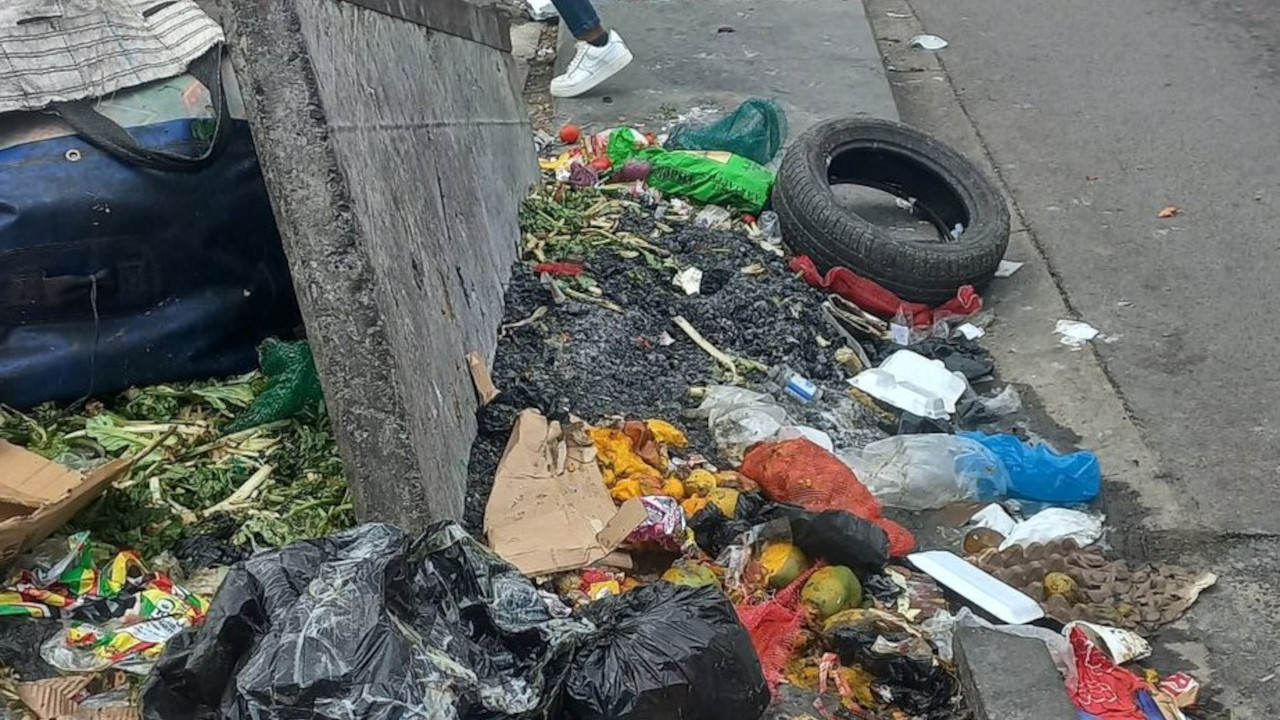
(773, 626)
(801, 473)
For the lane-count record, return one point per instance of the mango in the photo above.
(666, 433)
(692, 506)
(830, 590)
(691, 575)
(726, 499)
(782, 562)
(673, 488)
(700, 482)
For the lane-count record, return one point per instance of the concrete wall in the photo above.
(396, 155)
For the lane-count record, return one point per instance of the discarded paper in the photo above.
(1075, 334)
(549, 510)
(928, 42)
(38, 496)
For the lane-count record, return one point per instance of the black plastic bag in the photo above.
(368, 624)
(837, 536)
(905, 666)
(714, 531)
(665, 651)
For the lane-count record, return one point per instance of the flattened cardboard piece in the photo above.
(38, 496)
(52, 697)
(480, 376)
(549, 510)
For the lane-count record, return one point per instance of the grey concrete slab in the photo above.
(817, 58)
(1006, 677)
(396, 158)
(524, 46)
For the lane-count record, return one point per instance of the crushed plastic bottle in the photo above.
(770, 227)
(795, 384)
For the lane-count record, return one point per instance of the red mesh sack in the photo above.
(801, 473)
(773, 627)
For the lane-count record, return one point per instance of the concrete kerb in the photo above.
(1072, 388)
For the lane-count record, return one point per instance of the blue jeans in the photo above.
(578, 15)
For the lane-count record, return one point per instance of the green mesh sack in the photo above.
(293, 385)
(756, 130)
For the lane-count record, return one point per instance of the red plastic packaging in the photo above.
(1104, 690)
(878, 300)
(802, 473)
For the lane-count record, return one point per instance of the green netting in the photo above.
(756, 130)
(293, 385)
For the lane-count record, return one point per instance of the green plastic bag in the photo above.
(718, 178)
(293, 385)
(756, 131)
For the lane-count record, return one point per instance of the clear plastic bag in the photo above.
(924, 472)
(739, 418)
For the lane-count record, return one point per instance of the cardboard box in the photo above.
(549, 510)
(38, 496)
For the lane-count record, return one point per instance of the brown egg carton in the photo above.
(1108, 591)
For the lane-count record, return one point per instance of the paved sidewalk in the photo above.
(817, 58)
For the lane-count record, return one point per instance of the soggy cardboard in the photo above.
(59, 699)
(38, 496)
(549, 510)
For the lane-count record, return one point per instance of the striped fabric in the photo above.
(62, 50)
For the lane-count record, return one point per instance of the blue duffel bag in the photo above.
(135, 258)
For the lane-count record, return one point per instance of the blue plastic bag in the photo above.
(1040, 473)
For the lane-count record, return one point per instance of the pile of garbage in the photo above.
(709, 480)
(772, 432)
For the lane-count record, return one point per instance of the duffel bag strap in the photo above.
(103, 133)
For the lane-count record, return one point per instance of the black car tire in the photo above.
(948, 190)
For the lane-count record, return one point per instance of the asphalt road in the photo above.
(1097, 115)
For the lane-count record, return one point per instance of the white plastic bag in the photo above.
(541, 9)
(1053, 524)
(928, 471)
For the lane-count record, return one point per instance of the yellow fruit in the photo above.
(672, 487)
(624, 490)
(830, 590)
(666, 433)
(726, 499)
(691, 574)
(1056, 583)
(693, 505)
(782, 563)
(700, 482)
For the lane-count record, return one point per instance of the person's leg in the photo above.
(581, 19)
(601, 53)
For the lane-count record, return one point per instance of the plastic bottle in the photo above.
(770, 227)
(795, 384)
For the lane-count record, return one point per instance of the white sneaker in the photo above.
(591, 66)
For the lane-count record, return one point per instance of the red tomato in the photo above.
(601, 163)
(569, 134)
